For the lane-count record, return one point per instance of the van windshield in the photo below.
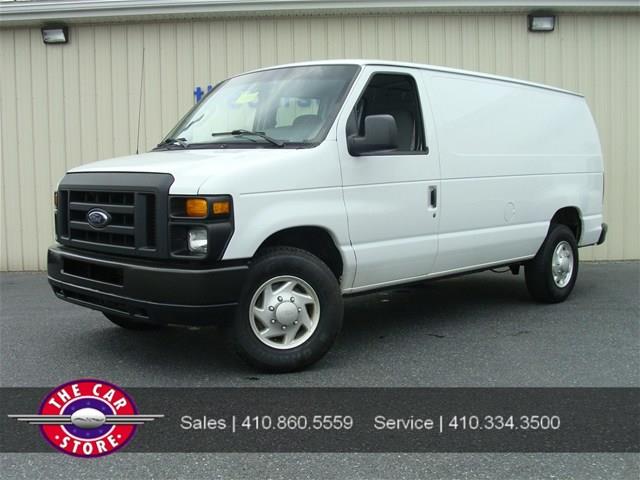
(275, 108)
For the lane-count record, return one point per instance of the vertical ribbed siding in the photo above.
(62, 106)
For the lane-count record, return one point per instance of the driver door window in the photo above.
(395, 95)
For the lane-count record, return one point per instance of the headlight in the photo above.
(197, 240)
(199, 227)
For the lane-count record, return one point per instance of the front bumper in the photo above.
(148, 291)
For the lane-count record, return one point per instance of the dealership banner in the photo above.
(94, 418)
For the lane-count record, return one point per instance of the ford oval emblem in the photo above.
(98, 218)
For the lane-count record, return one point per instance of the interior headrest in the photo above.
(306, 121)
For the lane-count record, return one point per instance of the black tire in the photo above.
(129, 324)
(538, 271)
(288, 261)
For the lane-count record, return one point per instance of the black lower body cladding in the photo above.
(146, 290)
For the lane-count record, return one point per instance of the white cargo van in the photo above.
(288, 187)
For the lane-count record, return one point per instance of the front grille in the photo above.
(103, 198)
(135, 206)
(121, 206)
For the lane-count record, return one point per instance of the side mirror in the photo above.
(380, 134)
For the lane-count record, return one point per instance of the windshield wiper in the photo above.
(241, 132)
(173, 141)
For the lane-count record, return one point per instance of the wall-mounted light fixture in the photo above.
(541, 22)
(58, 34)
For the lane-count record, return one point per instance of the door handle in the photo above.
(433, 196)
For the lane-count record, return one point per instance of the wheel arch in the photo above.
(314, 239)
(570, 216)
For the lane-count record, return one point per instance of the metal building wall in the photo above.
(64, 105)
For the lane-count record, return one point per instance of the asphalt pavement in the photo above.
(479, 330)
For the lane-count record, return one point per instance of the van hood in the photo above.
(225, 170)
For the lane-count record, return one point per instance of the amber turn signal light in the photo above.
(196, 207)
(221, 208)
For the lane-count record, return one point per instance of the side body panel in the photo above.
(511, 156)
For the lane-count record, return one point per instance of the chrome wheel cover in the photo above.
(562, 264)
(284, 312)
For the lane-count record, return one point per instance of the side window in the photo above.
(395, 95)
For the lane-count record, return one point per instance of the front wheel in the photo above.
(552, 273)
(290, 311)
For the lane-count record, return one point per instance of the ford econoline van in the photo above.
(287, 188)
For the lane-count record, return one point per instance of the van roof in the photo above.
(363, 62)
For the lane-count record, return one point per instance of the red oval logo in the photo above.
(88, 418)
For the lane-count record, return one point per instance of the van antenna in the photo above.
(140, 104)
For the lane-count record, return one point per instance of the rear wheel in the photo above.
(290, 311)
(129, 324)
(552, 273)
